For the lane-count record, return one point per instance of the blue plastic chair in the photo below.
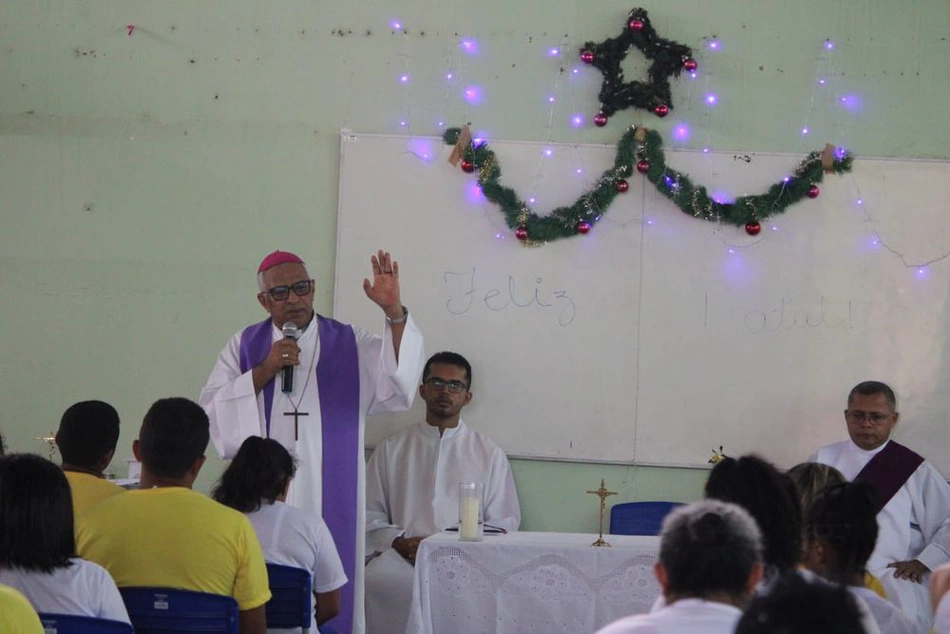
(166, 610)
(75, 624)
(291, 603)
(639, 518)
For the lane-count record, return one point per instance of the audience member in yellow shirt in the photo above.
(17, 616)
(86, 439)
(165, 534)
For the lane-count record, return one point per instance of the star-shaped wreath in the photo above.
(669, 59)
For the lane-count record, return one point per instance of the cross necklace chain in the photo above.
(297, 413)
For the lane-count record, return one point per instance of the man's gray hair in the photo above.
(709, 547)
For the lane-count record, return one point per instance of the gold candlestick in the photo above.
(50, 440)
(602, 493)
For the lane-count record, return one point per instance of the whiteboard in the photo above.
(658, 337)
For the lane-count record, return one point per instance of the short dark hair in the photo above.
(845, 517)
(708, 548)
(3, 444)
(769, 497)
(870, 388)
(174, 434)
(36, 514)
(794, 605)
(449, 358)
(260, 470)
(87, 431)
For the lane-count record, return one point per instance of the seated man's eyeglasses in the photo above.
(455, 387)
(280, 293)
(857, 416)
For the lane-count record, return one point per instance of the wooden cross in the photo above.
(602, 493)
(296, 416)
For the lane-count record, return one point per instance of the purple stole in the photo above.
(889, 470)
(338, 382)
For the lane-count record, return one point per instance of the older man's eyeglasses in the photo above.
(858, 417)
(280, 293)
(455, 387)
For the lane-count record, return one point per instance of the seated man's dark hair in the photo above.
(36, 514)
(796, 606)
(449, 358)
(769, 497)
(259, 472)
(174, 434)
(845, 517)
(870, 388)
(709, 548)
(87, 432)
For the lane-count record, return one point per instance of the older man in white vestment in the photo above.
(710, 563)
(331, 376)
(913, 498)
(412, 489)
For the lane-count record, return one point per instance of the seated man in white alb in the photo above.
(710, 563)
(412, 488)
(913, 498)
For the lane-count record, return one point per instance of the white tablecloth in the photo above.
(542, 583)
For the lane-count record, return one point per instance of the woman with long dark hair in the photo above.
(38, 547)
(256, 483)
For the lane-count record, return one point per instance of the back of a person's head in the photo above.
(36, 514)
(769, 497)
(795, 605)
(259, 472)
(810, 479)
(174, 434)
(709, 548)
(844, 517)
(87, 431)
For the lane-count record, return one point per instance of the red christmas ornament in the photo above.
(521, 233)
(467, 166)
(690, 64)
(622, 186)
(636, 24)
(643, 166)
(661, 110)
(587, 56)
(813, 191)
(600, 119)
(753, 227)
(583, 227)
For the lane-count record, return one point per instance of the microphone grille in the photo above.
(290, 330)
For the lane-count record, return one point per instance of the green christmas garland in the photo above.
(640, 149)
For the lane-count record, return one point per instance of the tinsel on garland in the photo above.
(643, 148)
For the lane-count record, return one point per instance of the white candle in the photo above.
(468, 528)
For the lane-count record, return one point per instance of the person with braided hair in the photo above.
(840, 535)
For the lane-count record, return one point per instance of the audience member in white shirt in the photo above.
(840, 533)
(798, 605)
(256, 483)
(710, 563)
(38, 545)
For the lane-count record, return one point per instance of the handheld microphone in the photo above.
(287, 373)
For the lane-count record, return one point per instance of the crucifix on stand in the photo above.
(602, 493)
(296, 416)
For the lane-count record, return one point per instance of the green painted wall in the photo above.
(143, 176)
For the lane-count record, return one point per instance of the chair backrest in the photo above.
(75, 624)
(166, 610)
(639, 518)
(291, 603)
